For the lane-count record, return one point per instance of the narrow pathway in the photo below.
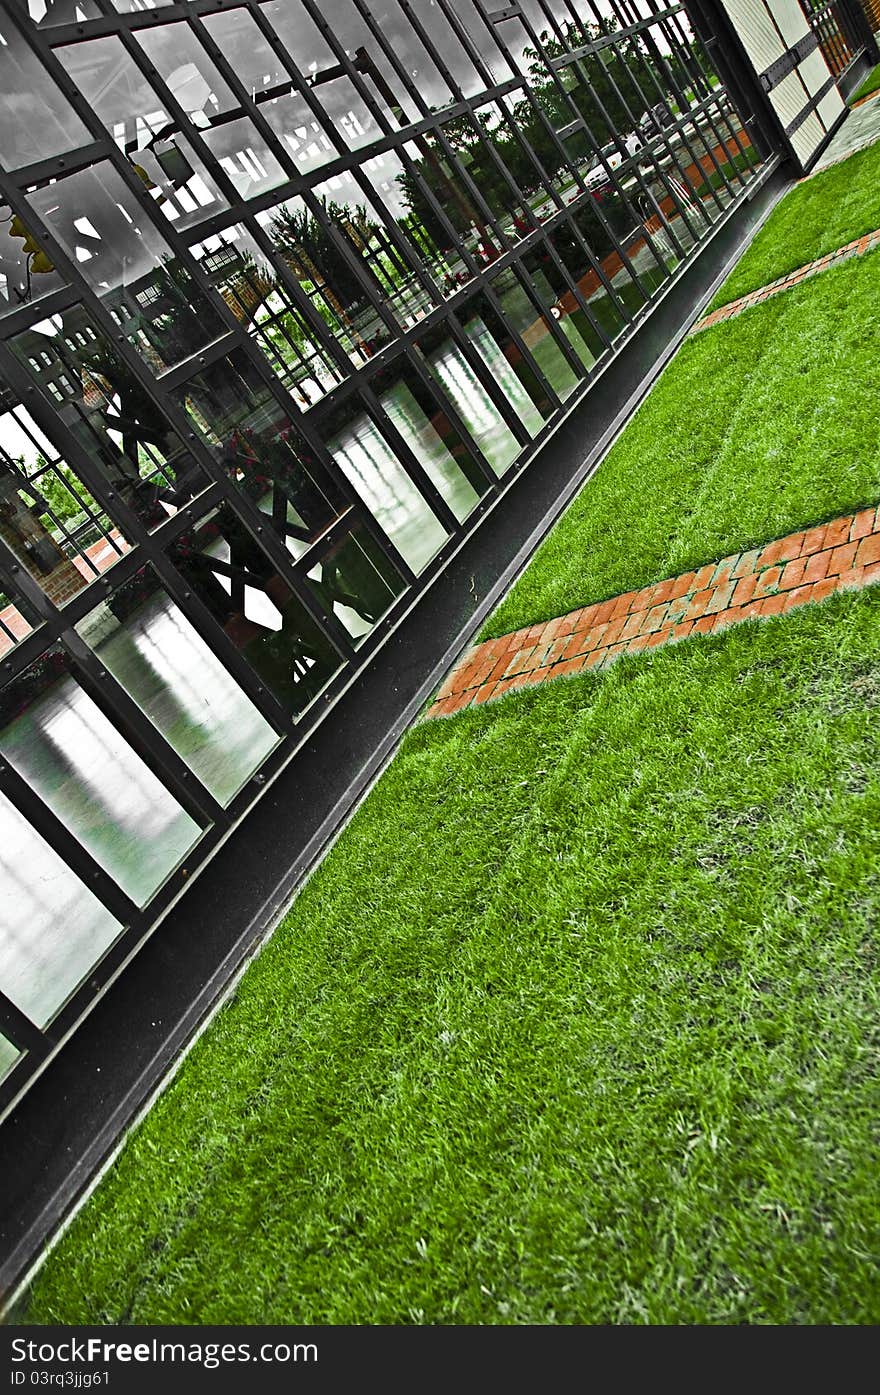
(796, 570)
(857, 248)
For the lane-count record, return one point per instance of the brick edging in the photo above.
(857, 248)
(795, 570)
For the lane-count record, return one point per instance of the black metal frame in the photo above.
(645, 43)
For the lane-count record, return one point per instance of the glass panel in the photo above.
(356, 219)
(47, 515)
(71, 755)
(307, 246)
(463, 388)
(53, 930)
(26, 90)
(125, 101)
(381, 481)
(244, 155)
(417, 414)
(260, 451)
(105, 406)
(27, 272)
(189, 74)
(355, 582)
(491, 335)
(129, 264)
(155, 654)
(534, 328)
(258, 298)
(17, 618)
(559, 300)
(9, 1054)
(127, 6)
(46, 13)
(259, 612)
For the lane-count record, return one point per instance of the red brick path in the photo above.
(792, 571)
(857, 248)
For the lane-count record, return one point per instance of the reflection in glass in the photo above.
(130, 265)
(415, 411)
(371, 466)
(126, 102)
(260, 451)
(116, 421)
(71, 755)
(18, 619)
(52, 929)
(27, 90)
(9, 1054)
(534, 328)
(47, 515)
(306, 244)
(467, 394)
(355, 582)
(259, 299)
(27, 272)
(257, 609)
(156, 655)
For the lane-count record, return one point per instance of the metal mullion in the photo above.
(510, 257)
(252, 108)
(20, 1031)
(24, 316)
(522, 348)
(482, 477)
(724, 122)
(302, 302)
(247, 511)
(304, 428)
(613, 175)
(406, 457)
(547, 181)
(485, 378)
(362, 275)
(181, 372)
(543, 119)
(569, 220)
(71, 851)
(145, 739)
(391, 56)
(119, 709)
(573, 286)
(674, 41)
(149, 546)
(57, 166)
(633, 162)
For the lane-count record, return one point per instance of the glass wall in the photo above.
(287, 290)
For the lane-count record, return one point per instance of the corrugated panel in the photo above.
(755, 29)
(807, 137)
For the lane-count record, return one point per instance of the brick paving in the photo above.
(795, 570)
(857, 248)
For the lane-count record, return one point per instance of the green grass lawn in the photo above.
(871, 84)
(815, 217)
(614, 1060)
(759, 426)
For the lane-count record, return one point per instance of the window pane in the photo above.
(52, 929)
(259, 612)
(26, 90)
(162, 157)
(155, 654)
(72, 756)
(47, 515)
(129, 264)
(104, 404)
